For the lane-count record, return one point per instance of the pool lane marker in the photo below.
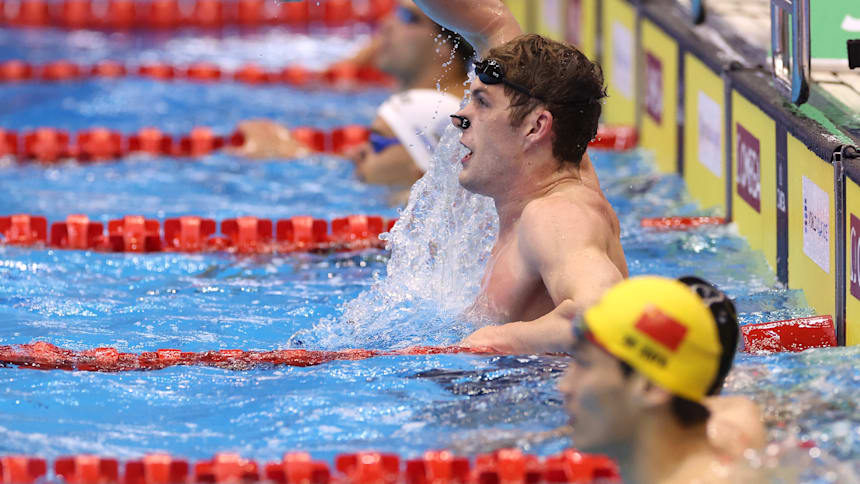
(51, 145)
(509, 466)
(164, 15)
(45, 356)
(791, 335)
(680, 223)
(763, 338)
(192, 234)
(340, 76)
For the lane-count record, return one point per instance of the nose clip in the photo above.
(464, 121)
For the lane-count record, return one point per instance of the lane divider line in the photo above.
(509, 466)
(126, 15)
(45, 356)
(193, 234)
(780, 336)
(50, 145)
(680, 223)
(342, 76)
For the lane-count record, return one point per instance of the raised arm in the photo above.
(484, 23)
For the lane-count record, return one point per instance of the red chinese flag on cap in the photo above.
(661, 328)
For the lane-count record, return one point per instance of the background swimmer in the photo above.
(534, 107)
(429, 63)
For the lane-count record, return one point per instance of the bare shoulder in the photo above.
(734, 404)
(575, 211)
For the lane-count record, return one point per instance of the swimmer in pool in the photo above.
(645, 358)
(534, 107)
(409, 124)
(735, 423)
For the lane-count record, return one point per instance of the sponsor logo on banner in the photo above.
(749, 168)
(574, 22)
(551, 12)
(855, 256)
(622, 59)
(816, 224)
(710, 134)
(653, 87)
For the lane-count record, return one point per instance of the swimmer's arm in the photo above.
(565, 242)
(550, 333)
(267, 139)
(484, 23)
(560, 241)
(392, 166)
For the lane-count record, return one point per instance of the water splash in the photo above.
(439, 249)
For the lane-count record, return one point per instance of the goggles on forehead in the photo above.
(490, 72)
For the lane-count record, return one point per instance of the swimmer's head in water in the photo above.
(560, 77)
(661, 329)
(649, 344)
(726, 318)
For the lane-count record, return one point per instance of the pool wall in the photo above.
(745, 152)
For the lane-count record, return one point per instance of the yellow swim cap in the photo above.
(663, 330)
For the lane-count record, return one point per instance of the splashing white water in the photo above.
(439, 249)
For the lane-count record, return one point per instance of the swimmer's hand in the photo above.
(268, 139)
(549, 333)
(500, 339)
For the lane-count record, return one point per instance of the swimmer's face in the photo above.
(407, 40)
(598, 398)
(494, 145)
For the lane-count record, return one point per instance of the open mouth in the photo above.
(468, 156)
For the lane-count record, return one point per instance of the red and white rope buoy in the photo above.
(122, 15)
(343, 75)
(437, 467)
(192, 234)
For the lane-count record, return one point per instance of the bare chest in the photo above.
(512, 290)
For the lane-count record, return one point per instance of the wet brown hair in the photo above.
(567, 83)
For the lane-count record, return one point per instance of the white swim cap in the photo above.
(418, 118)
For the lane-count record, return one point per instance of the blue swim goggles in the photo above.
(380, 143)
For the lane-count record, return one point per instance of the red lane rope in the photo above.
(192, 234)
(508, 466)
(49, 145)
(680, 223)
(789, 335)
(343, 75)
(209, 14)
(45, 356)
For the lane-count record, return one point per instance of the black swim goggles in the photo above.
(490, 72)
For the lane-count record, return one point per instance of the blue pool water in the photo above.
(405, 404)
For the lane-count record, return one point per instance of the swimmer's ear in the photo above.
(539, 125)
(648, 394)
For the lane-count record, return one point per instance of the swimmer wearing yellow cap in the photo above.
(646, 357)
